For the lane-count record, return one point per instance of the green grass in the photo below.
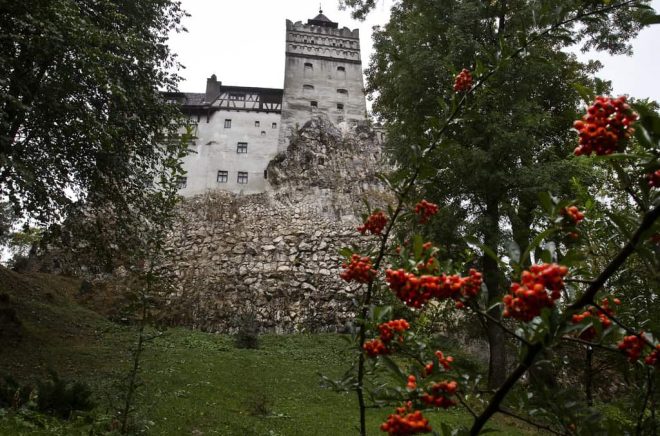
(194, 383)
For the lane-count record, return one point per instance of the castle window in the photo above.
(223, 176)
(341, 69)
(314, 103)
(265, 174)
(227, 124)
(340, 106)
(263, 133)
(242, 177)
(257, 124)
(181, 182)
(241, 147)
(274, 126)
(342, 93)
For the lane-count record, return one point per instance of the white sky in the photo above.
(242, 42)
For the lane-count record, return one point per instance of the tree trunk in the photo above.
(496, 338)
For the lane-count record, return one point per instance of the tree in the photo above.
(82, 119)
(513, 139)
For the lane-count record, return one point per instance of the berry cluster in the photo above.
(654, 179)
(527, 299)
(573, 214)
(445, 362)
(374, 224)
(358, 270)
(590, 333)
(653, 358)
(439, 394)
(388, 329)
(412, 383)
(632, 346)
(375, 347)
(607, 122)
(405, 422)
(425, 210)
(463, 81)
(416, 291)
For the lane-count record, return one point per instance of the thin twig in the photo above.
(507, 412)
(649, 390)
(501, 325)
(586, 282)
(466, 405)
(590, 344)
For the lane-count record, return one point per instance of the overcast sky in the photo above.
(242, 42)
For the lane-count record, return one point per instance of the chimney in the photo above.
(212, 88)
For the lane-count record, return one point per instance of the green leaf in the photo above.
(651, 19)
(471, 240)
(346, 252)
(587, 95)
(546, 202)
(418, 243)
(536, 242)
(394, 368)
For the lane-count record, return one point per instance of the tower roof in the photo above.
(323, 21)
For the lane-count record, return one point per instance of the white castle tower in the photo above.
(322, 73)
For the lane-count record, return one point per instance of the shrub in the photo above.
(247, 335)
(60, 398)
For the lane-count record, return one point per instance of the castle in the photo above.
(239, 130)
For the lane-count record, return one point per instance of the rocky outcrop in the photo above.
(275, 254)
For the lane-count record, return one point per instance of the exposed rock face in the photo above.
(276, 254)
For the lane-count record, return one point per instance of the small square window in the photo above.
(274, 126)
(181, 182)
(263, 133)
(257, 124)
(227, 124)
(242, 177)
(241, 147)
(314, 103)
(223, 176)
(340, 106)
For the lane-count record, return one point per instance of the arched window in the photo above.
(341, 73)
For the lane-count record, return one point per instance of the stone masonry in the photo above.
(274, 255)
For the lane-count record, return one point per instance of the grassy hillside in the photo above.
(194, 383)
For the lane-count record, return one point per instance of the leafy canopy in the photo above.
(81, 115)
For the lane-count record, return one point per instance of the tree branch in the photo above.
(586, 299)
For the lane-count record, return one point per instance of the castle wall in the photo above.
(216, 149)
(276, 254)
